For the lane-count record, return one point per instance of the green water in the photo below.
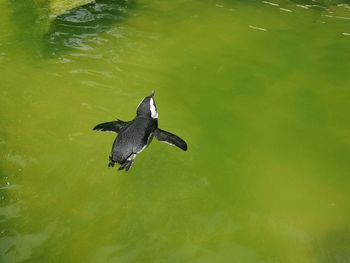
(259, 90)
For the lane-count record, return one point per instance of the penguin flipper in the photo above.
(113, 126)
(170, 138)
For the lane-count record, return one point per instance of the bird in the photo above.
(134, 136)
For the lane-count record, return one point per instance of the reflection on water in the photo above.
(260, 90)
(76, 29)
(19, 247)
(337, 243)
(83, 25)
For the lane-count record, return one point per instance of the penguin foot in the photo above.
(111, 162)
(126, 165)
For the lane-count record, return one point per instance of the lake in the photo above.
(259, 90)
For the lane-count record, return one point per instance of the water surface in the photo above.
(258, 89)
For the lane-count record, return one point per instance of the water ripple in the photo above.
(81, 27)
(337, 17)
(257, 28)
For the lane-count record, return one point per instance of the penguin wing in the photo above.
(170, 138)
(113, 126)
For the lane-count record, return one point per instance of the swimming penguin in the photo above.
(135, 135)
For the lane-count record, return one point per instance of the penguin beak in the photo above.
(152, 93)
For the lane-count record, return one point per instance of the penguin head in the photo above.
(147, 107)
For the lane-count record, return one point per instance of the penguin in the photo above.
(134, 136)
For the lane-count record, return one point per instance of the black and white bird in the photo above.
(135, 135)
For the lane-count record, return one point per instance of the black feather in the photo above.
(168, 137)
(114, 126)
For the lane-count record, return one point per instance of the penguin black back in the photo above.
(134, 136)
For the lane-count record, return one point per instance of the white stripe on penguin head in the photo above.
(154, 113)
